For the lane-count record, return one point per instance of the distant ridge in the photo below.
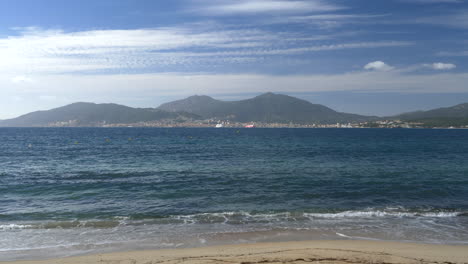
(446, 116)
(91, 114)
(201, 104)
(267, 108)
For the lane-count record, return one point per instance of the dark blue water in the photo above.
(67, 191)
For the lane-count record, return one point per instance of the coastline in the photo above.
(315, 251)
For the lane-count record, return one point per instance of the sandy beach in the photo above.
(349, 251)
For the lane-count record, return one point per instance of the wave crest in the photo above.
(235, 218)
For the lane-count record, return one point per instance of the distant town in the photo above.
(267, 110)
(229, 124)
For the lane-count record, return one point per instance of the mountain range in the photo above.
(265, 108)
(90, 114)
(441, 117)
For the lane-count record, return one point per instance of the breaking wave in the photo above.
(234, 218)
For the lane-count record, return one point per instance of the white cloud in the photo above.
(441, 66)
(252, 7)
(301, 50)
(21, 79)
(58, 52)
(378, 66)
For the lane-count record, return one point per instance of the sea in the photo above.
(76, 191)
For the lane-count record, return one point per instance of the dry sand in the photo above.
(290, 252)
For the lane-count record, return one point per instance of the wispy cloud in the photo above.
(462, 53)
(291, 51)
(252, 7)
(325, 21)
(433, 1)
(453, 18)
(441, 66)
(410, 69)
(21, 79)
(56, 51)
(457, 19)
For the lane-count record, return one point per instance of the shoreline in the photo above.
(241, 127)
(312, 251)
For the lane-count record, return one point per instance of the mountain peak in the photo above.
(81, 103)
(269, 95)
(202, 98)
(268, 108)
(190, 104)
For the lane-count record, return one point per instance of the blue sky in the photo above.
(378, 57)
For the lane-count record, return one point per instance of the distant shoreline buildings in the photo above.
(229, 124)
(268, 110)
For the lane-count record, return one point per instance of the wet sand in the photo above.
(342, 251)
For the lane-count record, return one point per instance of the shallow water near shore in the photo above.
(71, 191)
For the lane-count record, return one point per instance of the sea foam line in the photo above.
(14, 226)
(378, 213)
(240, 217)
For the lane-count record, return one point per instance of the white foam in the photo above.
(343, 235)
(14, 226)
(240, 217)
(288, 216)
(356, 237)
(381, 213)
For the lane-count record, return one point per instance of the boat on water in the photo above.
(219, 125)
(250, 126)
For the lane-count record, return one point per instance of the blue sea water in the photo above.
(69, 191)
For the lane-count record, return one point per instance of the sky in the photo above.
(375, 57)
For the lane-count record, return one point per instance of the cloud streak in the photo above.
(456, 19)
(433, 1)
(59, 52)
(252, 7)
(441, 66)
(463, 53)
